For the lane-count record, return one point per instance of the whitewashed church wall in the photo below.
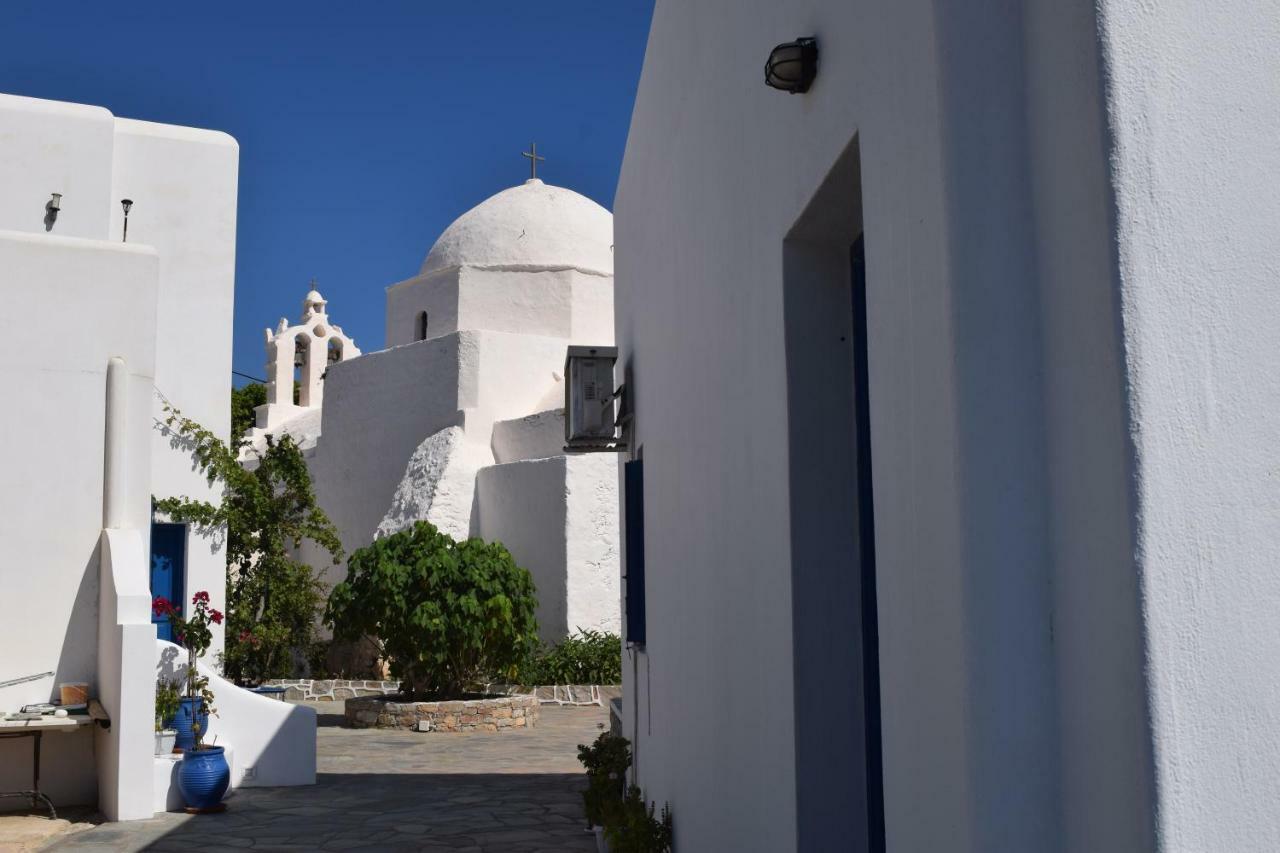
(593, 536)
(436, 293)
(523, 506)
(506, 376)
(592, 309)
(521, 302)
(1192, 105)
(53, 147)
(183, 183)
(382, 406)
(51, 464)
(534, 436)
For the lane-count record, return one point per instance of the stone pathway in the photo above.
(514, 792)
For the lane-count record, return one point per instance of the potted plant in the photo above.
(606, 762)
(166, 710)
(204, 775)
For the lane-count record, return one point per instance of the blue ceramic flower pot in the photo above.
(203, 777)
(186, 716)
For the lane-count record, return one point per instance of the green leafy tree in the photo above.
(243, 402)
(268, 509)
(442, 612)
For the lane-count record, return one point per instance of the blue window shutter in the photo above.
(633, 478)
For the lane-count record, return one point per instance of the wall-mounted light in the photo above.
(590, 400)
(792, 66)
(126, 203)
(51, 208)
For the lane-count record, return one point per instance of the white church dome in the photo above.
(532, 226)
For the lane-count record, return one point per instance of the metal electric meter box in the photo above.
(589, 404)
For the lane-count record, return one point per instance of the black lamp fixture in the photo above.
(792, 66)
(126, 203)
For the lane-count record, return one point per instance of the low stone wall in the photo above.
(334, 689)
(496, 714)
(331, 689)
(561, 694)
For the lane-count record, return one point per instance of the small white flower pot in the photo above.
(165, 740)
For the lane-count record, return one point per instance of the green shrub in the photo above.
(606, 762)
(443, 613)
(631, 827)
(589, 657)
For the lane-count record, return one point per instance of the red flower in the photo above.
(246, 636)
(200, 596)
(216, 616)
(161, 606)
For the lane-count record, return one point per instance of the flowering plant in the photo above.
(193, 634)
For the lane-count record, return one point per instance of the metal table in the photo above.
(35, 730)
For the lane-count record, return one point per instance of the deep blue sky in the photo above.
(364, 128)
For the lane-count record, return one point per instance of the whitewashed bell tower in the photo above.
(302, 351)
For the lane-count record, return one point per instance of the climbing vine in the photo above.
(268, 509)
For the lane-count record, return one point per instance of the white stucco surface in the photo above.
(52, 455)
(535, 436)
(1069, 221)
(55, 147)
(183, 183)
(438, 485)
(1192, 94)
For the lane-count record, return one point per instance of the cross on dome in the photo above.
(532, 154)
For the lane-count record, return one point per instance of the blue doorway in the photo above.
(168, 571)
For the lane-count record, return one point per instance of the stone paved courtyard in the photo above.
(515, 792)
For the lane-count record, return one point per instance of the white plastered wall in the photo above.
(1021, 573)
(1192, 98)
(436, 293)
(51, 456)
(183, 183)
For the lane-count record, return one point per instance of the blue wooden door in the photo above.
(168, 570)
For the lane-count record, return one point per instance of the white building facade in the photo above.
(102, 331)
(973, 545)
(459, 421)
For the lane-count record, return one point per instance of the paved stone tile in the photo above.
(515, 791)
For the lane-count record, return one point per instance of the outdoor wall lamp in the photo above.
(126, 203)
(792, 66)
(590, 401)
(51, 208)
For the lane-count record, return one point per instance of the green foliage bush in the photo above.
(243, 401)
(631, 827)
(629, 824)
(443, 612)
(589, 657)
(606, 762)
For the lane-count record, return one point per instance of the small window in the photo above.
(421, 330)
(633, 478)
